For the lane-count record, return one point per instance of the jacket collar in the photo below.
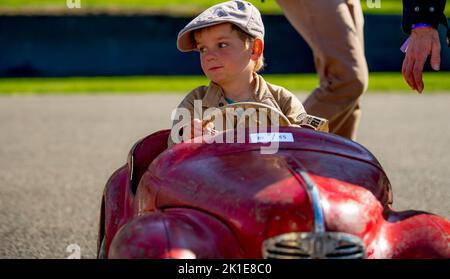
(215, 97)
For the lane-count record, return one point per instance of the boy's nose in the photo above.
(211, 55)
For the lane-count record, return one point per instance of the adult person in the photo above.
(421, 19)
(334, 31)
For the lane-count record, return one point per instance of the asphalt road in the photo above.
(57, 152)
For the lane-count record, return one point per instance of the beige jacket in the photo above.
(266, 93)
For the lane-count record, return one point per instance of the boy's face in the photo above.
(223, 55)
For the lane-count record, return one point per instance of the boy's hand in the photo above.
(197, 129)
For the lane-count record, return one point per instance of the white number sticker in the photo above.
(271, 137)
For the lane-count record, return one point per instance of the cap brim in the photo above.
(185, 41)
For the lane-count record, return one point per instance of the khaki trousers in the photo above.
(334, 31)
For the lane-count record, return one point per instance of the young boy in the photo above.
(230, 39)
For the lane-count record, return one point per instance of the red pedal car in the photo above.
(318, 196)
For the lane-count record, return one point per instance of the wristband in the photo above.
(421, 25)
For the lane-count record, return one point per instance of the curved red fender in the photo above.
(175, 233)
(416, 234)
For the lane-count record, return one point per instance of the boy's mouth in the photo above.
(215, 68)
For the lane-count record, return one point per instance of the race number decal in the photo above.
(271, 137)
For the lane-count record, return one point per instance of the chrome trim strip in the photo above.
(313, 193)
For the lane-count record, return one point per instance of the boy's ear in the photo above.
(257, 48)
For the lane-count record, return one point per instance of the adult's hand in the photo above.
(423, 42)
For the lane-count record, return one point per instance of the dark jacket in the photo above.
(425, 12)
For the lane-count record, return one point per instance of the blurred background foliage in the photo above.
(379, 82)
(166, 6)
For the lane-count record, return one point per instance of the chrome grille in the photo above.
(327, 245)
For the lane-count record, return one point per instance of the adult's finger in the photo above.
(407, 69)
(418, 70)
(435, 55)
(405, 62)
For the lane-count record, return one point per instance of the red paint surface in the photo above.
(224, 200)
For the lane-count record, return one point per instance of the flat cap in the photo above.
(240, 13)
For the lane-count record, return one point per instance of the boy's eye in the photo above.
(202, 49)
(222, 45)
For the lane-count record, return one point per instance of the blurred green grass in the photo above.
(174, 6)
(379, 82)
(154, 84)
